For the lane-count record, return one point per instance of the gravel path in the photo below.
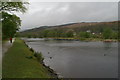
(3, 49)
(6, 46)
(0, 59)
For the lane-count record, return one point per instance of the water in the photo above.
(76, 59)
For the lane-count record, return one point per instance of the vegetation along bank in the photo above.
(21, 62)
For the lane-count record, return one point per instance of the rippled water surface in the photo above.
(76, 59)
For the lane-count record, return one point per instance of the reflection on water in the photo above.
(107, 45)
(76, 59)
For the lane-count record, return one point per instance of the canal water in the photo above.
(78, 59)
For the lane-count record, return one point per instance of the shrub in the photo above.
(31, 50)
(38, 56)
(107, 33)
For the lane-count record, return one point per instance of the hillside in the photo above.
(94, 27)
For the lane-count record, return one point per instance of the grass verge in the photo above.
(16, 65)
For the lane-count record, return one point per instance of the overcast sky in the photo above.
(55, 13)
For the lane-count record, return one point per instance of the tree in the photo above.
(69, 33)
(115, 35)
(84, 34)
(10, 24)
(107, 33)
(13, 6)
(45, 33)
(58, 32)
(52, 33)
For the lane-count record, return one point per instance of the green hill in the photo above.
(70, 29)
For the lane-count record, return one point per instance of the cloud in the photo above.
(54, 13)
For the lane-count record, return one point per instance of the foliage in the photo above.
(10, 24)
(69, 33)
(107, 33)
(98, 30)
(114, 35)
(84, 34)
(17, 34)
(38, 56)
(13, 6)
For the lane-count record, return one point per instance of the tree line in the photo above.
(106, 33)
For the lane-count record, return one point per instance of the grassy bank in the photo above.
(17, 65)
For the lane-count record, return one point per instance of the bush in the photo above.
(107, 33)
(38, 56)
(84, 35)
(31, 50)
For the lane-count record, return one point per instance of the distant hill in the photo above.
(44, 27)
(95, 27)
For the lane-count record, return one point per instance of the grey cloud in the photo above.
(51, 13)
